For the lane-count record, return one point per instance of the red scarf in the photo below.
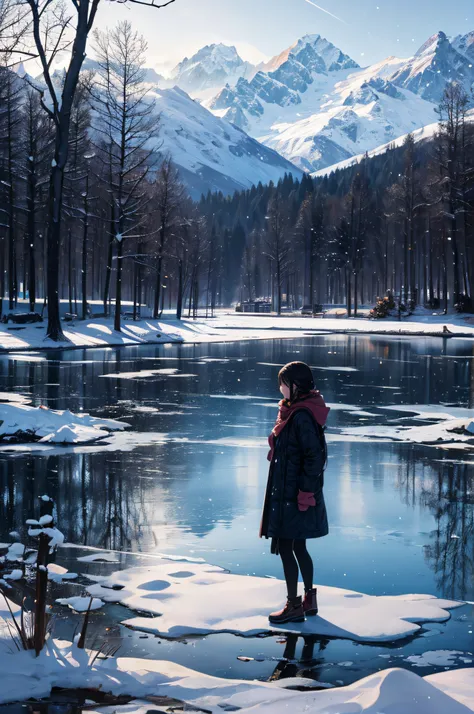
(314, 403)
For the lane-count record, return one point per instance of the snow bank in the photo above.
(20, 422)
(458, 684)
(258, 326)
(393, 691)
(225, 327)
(202, 598)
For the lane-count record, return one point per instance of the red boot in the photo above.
(310, 604)
(292, 612)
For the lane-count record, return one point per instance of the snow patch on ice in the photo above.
(49, 426)
(444, 432)
(99, 557)
(240, 604)
(80, 604)
(435, 658)
(141, 374)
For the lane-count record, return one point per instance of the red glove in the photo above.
(305, 500)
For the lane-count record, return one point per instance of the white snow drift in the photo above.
(393, 691)
(202, 598)
(20, 422)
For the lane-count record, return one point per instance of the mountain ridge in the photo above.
(316, 106)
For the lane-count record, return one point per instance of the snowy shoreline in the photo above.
(226, 327)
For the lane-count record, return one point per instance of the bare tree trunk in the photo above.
(2, 274)
(30, 235)
(108, 270)
(356, 286)
(445, 274)
(118, 286)
(69, 267)
(156, 307)
(430, 262)
(348, 293)
(85, 232)
(278, 285)
(139, 283)
(179, 302)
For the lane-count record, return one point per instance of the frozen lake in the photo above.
(189, 480)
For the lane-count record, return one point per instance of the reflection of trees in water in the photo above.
(452, 552)
(98, 500)
(446, 489)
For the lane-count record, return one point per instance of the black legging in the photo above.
(288, 550)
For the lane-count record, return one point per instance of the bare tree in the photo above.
(403, 201)
(77, 190)
(37, 145)
(277, 242)
(168, 195)
(452, 173)
(11, 91)
(54, 27)
(126, 120)
(311, 226)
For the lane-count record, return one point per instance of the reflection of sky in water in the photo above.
(401, 515)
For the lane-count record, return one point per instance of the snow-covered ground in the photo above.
(96, 332)
(393, 691)
(263, 326)
(22, 423)
(227, 326)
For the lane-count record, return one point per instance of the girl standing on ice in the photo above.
(294, 508)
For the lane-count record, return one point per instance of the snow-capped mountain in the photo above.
(437, 62)
(329, 56)
(210, 153)
(360, 112)
(314, 105)
(465, 45)
(281, 81)
(425, 133)
(311, 105)
(209, 69)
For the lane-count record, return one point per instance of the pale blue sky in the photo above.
(368, 30)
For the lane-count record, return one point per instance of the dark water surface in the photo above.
(190, 479)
